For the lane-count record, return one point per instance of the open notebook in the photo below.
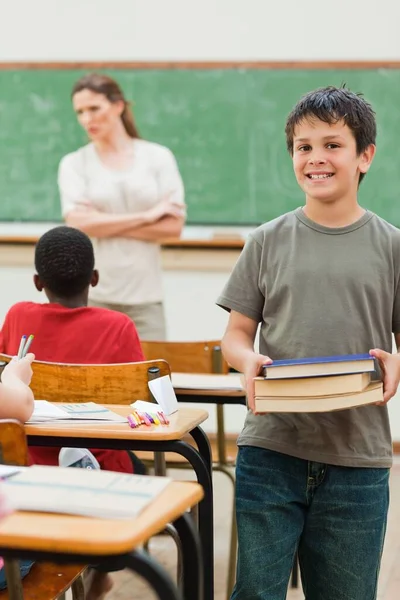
(102, 494)
(45, 412)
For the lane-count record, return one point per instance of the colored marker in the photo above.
(150, 417)
(27, 345)
(141, 417)
(21, 346)
(136, 418)
(156, 420)
(161, 416)
(146, 419)
(131, 422)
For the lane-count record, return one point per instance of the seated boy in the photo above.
(66, 330)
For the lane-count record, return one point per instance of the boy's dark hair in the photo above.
(332, 104)
(64, 261)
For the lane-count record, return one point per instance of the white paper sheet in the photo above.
(164, 393)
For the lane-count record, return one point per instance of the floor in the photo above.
(128, 586)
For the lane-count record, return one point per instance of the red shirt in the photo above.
(86, 335)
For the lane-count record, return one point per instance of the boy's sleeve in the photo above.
(131, 349)
(396, 303)
(242, 292)
(396, 311)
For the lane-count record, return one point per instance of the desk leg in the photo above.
(203, 445)
(206, 522)
(13, 578)
(145, 566)
(192, 558)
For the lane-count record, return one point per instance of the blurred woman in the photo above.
(127, 194)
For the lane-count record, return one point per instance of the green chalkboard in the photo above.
(225, 127)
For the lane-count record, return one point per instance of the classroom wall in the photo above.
(48, 30)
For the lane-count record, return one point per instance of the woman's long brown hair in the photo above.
(102, 84)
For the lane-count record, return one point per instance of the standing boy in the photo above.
(322, 280)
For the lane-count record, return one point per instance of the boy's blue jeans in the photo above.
(334, 516)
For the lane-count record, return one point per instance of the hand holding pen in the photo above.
(20, 366)
(24, 346)
(18, 369)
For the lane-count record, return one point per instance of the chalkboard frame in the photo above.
(326, 65)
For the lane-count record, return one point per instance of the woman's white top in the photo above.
(130, 270)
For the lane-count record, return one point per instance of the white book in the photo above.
(45, 412)
(200, 381)
(91, 493)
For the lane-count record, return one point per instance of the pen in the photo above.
(21, 346)
(27, 345)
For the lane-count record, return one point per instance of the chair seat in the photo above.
(47, 581)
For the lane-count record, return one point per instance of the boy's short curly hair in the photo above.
(64, 261)
(332, 104)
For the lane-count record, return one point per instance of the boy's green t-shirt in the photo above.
(320, 291)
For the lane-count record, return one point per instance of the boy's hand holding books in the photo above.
(253, 367)
(390, 367)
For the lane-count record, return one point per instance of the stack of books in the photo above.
(317, 384)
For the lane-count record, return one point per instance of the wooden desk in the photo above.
(181, 423)
(74, 539)
(161, 438)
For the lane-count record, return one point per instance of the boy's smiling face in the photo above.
(325, 160)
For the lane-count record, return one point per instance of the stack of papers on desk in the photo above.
(45, 412)
(101, 494)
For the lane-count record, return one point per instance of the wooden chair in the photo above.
(45, 581)
(106, 384)
(120, 383)
(202, 357)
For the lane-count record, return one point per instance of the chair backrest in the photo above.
(121, 383)
(13, 444)
(188, 357)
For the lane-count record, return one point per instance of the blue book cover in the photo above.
(319, 360)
